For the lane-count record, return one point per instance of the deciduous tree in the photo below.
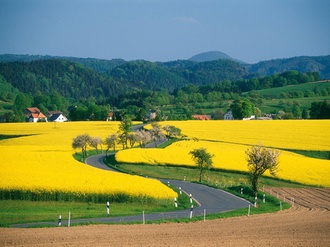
(111, 141)
(202, 159)
(143, 137)
(95, 142)
(261, 159)
(241, 108)
(156, 132)
(172, 131)
(81, 141)
(125, 127)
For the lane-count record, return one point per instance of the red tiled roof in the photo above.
(38, 115)
(33, 109)
(202, 117)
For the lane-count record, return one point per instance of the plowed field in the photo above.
(307, 223)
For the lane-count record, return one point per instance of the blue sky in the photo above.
(165, 30)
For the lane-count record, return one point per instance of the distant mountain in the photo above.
(99, 65)
(211, 56)
(302, 64)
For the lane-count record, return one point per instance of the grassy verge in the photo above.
(215, 178)
(17, 211)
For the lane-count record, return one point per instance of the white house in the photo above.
(58, 117)
(33, 114)
(252, 117)
(228, 116)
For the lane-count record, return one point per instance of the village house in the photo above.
(57, 117)
(228, 116)
(33, 114)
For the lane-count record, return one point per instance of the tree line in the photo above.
(54, 85)
(125, 137)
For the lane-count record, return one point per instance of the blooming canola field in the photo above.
(41, 160)
(228, 141)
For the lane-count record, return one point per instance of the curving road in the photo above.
(210, 201)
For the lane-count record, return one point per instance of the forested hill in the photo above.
(77, 78)
(174, 75)
(99, 65)
(75, 81)
(302, 64)
(69, 79)
(148, 75)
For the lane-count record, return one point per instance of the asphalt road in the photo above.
(210, 201)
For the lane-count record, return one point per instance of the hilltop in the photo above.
(211, 56)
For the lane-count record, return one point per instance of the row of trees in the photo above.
(125, 137)
(244, 107)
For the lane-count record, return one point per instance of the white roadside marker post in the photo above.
(175, 203)
(249, 210)
(59, 222)
(180, 190)
(143, 218)
(191, 211)
(190, 198)
(264, 198)
(69, 220)
(108, 207)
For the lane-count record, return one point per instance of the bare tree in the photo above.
(156, 132)
(132, 138)
(143, 137)
(81, 141)
(261, 159)
(95, 142)
(111, 141)
(203, 160)
(172, 131)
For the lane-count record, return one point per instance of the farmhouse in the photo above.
(33, 114)
(58, 117)
(228, 116)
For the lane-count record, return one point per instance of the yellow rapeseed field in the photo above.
(228, 141)
(41, 161)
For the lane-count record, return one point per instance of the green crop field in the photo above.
(319, 87)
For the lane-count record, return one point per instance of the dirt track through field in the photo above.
(306, 223)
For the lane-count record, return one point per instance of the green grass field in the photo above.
(312, 86)
(18, 211)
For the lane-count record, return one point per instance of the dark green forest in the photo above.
(176, 89)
